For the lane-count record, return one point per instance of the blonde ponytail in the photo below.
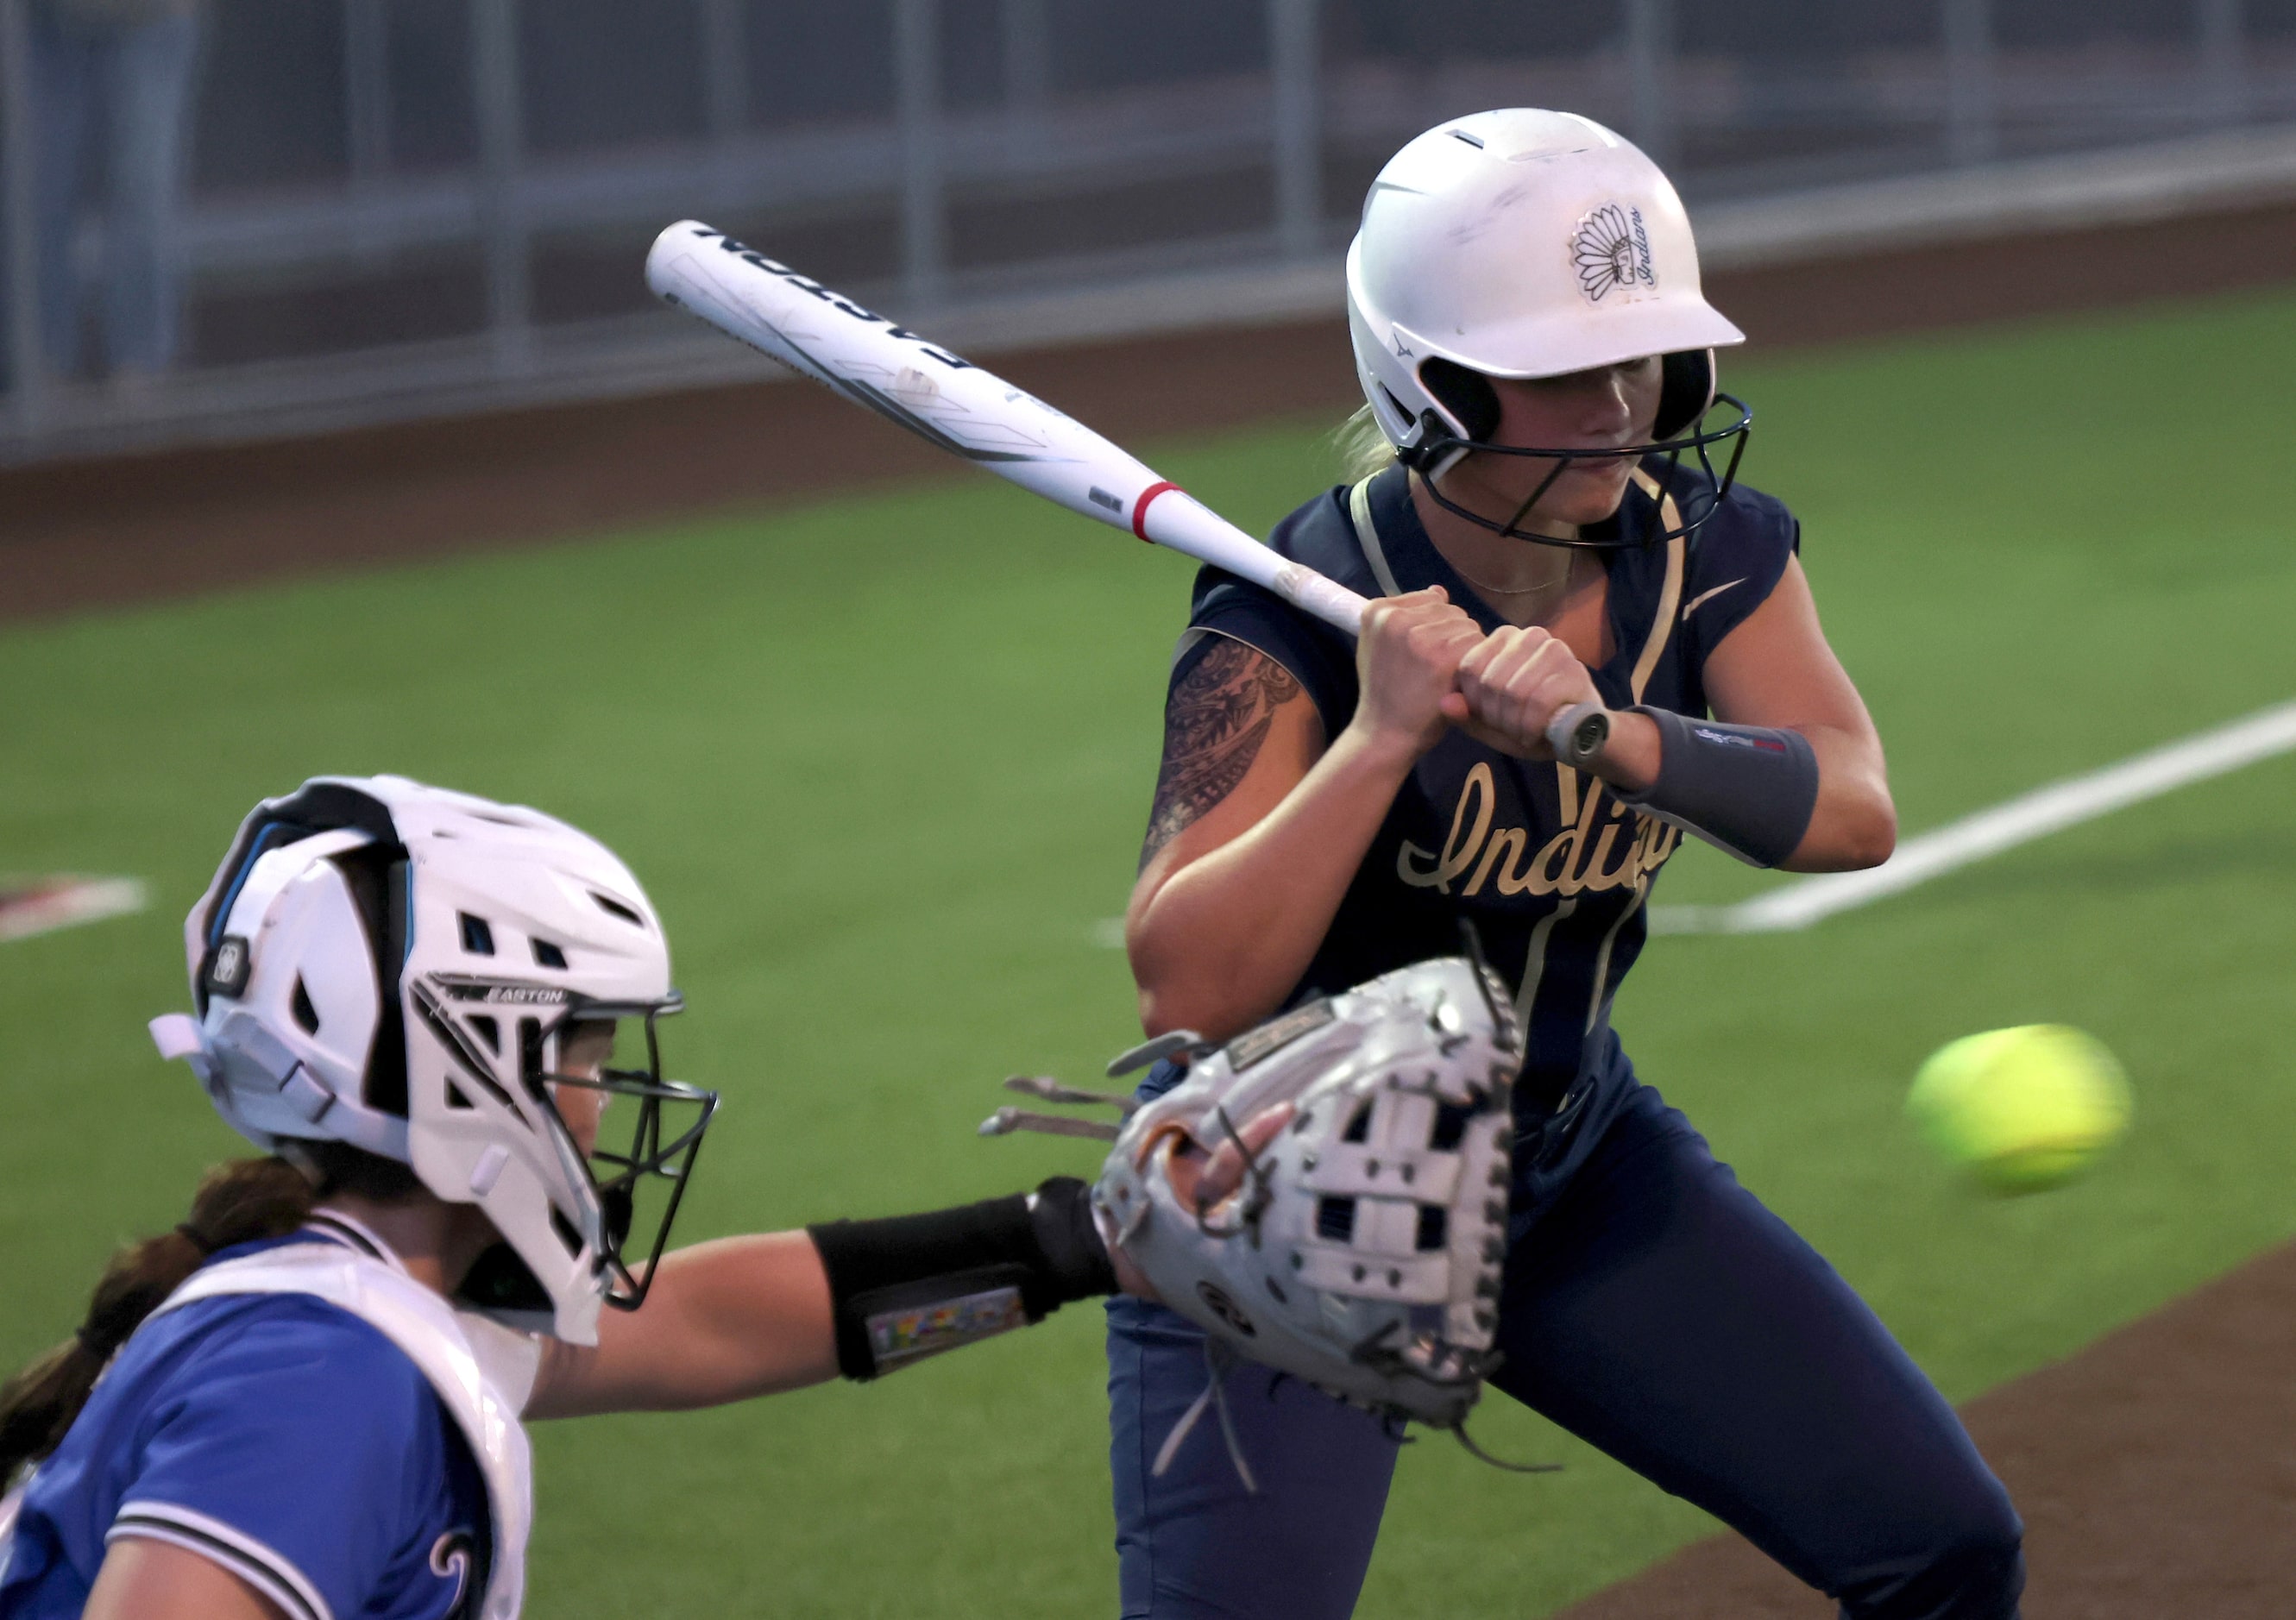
(1363, 448)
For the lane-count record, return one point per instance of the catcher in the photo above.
(306, 1399)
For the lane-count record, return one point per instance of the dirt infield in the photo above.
(2156, 1471)
(152, 527)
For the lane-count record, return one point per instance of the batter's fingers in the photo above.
(1461, 634)
(1411, 621)
(1445, 640)
(1507, 652)
(1476, 667)
(1480, 658)
(1548, 670)
(1415, 603)
(1382, 610)
(1510, 705)
(1499, 652)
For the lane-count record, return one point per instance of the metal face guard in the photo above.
(665, 1137)
(1438, 443)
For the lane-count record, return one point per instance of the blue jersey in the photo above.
(281, 1438)
(1554, 871)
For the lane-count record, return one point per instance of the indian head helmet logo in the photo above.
(1610, 249)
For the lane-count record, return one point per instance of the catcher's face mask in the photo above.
(635, 1159)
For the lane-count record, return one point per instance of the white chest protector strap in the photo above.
(483, 1373)
(10, 1504)
(1367, 536)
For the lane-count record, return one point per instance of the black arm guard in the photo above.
(914, 1286)
(1747, 789)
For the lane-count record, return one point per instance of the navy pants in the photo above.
(1654, 1308)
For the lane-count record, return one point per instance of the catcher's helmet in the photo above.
(1523, 243)
(396, 967)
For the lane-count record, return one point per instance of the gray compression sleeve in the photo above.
(1747, 789)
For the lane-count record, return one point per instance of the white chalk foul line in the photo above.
(48, 903)
(1989, 832)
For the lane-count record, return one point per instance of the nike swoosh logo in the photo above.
(1705, 596)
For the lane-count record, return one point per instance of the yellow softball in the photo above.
(2021, 1109)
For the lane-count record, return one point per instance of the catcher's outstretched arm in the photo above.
(752, 1316)
(724, 1321)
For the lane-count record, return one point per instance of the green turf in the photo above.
(885, 763)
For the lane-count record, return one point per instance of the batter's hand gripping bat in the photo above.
(974, 413)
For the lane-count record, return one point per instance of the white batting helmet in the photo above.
(396, 967)
(1523, 243)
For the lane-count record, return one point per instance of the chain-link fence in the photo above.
(368, 207)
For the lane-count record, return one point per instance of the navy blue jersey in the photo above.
(285, 1439)
(1651, 1305)
(1554, 871)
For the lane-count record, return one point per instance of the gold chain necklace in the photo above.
(1562, 578)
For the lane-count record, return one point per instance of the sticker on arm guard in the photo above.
(908, 1334)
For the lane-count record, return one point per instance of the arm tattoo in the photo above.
(1217, 718)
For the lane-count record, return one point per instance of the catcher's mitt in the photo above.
(1361, 1251)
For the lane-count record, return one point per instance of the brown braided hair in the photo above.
(242, 1201)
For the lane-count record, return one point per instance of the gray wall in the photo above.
(396, 201)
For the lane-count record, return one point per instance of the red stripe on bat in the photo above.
(1140, 506)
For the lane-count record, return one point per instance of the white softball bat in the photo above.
(975, 414)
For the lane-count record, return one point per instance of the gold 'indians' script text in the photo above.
(1575, 861)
